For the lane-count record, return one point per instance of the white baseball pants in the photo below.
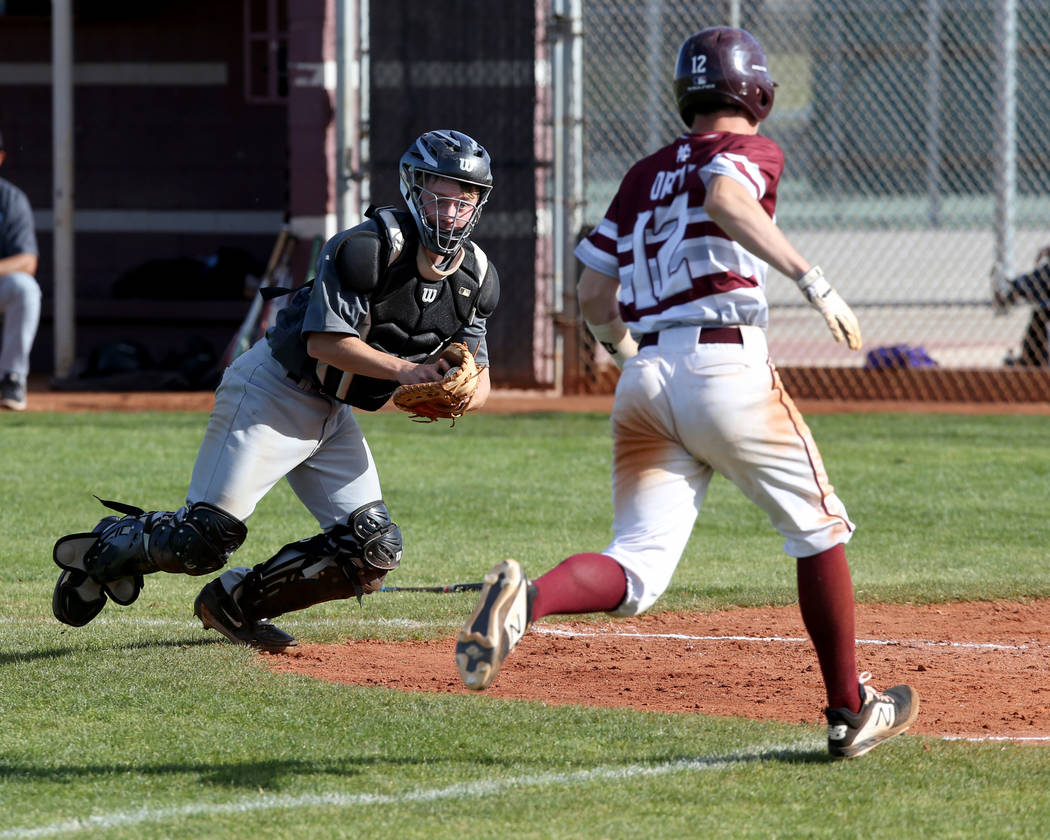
(686, 410)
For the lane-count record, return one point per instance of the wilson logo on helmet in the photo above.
(445, 155)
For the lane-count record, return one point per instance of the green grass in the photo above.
(142, 725)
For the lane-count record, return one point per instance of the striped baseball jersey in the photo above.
(676, 266)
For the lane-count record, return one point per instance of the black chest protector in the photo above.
(405, 314)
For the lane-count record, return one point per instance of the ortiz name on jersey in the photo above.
(676, 266)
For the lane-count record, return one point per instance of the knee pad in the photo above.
(193, 541)
(370, 539)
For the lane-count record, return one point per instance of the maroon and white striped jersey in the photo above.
(676, 266)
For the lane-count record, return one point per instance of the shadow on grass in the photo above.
(249, 775)
(58, 652)
(269, 775)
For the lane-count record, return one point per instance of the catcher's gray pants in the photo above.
(264, 427)
(20, 305)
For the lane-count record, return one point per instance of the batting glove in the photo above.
(840, 318)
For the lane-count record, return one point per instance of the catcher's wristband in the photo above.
(616, 339)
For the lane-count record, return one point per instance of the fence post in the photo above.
(933, 110)
(568, 204)
(62, 169)
(1005, 139)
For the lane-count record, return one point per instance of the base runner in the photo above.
(673, 286)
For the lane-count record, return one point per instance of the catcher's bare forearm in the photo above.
(481, 395)
(351, 354)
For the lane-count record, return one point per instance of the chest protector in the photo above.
(407, 315)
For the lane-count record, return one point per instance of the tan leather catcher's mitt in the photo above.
(447, 398)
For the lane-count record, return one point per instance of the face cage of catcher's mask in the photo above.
(446, 238)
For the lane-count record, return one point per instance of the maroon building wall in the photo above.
(170, 146)
(253, 144)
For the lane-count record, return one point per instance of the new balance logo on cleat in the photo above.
(497, 624)
(882, 715)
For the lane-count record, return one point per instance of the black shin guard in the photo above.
(300, 575)
(78, 598)
(196, 540)
(110, 561)
(349, 560)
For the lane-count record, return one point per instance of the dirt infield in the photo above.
(501, 402)
(982, 670)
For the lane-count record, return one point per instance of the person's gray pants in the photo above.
(20, 305)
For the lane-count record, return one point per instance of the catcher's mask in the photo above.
(444, 220)
(722, 65)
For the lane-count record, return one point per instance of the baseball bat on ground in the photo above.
(452, 587)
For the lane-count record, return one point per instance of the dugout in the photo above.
(203, 129)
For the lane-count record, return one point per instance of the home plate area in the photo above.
(982, 669)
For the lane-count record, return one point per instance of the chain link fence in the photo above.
(917, 138)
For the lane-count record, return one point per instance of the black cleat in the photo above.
(218, 611)
(12, 393)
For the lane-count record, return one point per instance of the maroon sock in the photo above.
(582, 583)
(825, 597)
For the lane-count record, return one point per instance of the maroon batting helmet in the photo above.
(722, 65)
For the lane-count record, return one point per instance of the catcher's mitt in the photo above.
(447, 398)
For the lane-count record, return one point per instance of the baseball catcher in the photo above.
(449, 397)
(398, 301)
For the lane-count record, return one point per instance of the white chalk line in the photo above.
(463, 790)
(555, 631)
(186, 624)
(546, 630)
(1016, 738)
